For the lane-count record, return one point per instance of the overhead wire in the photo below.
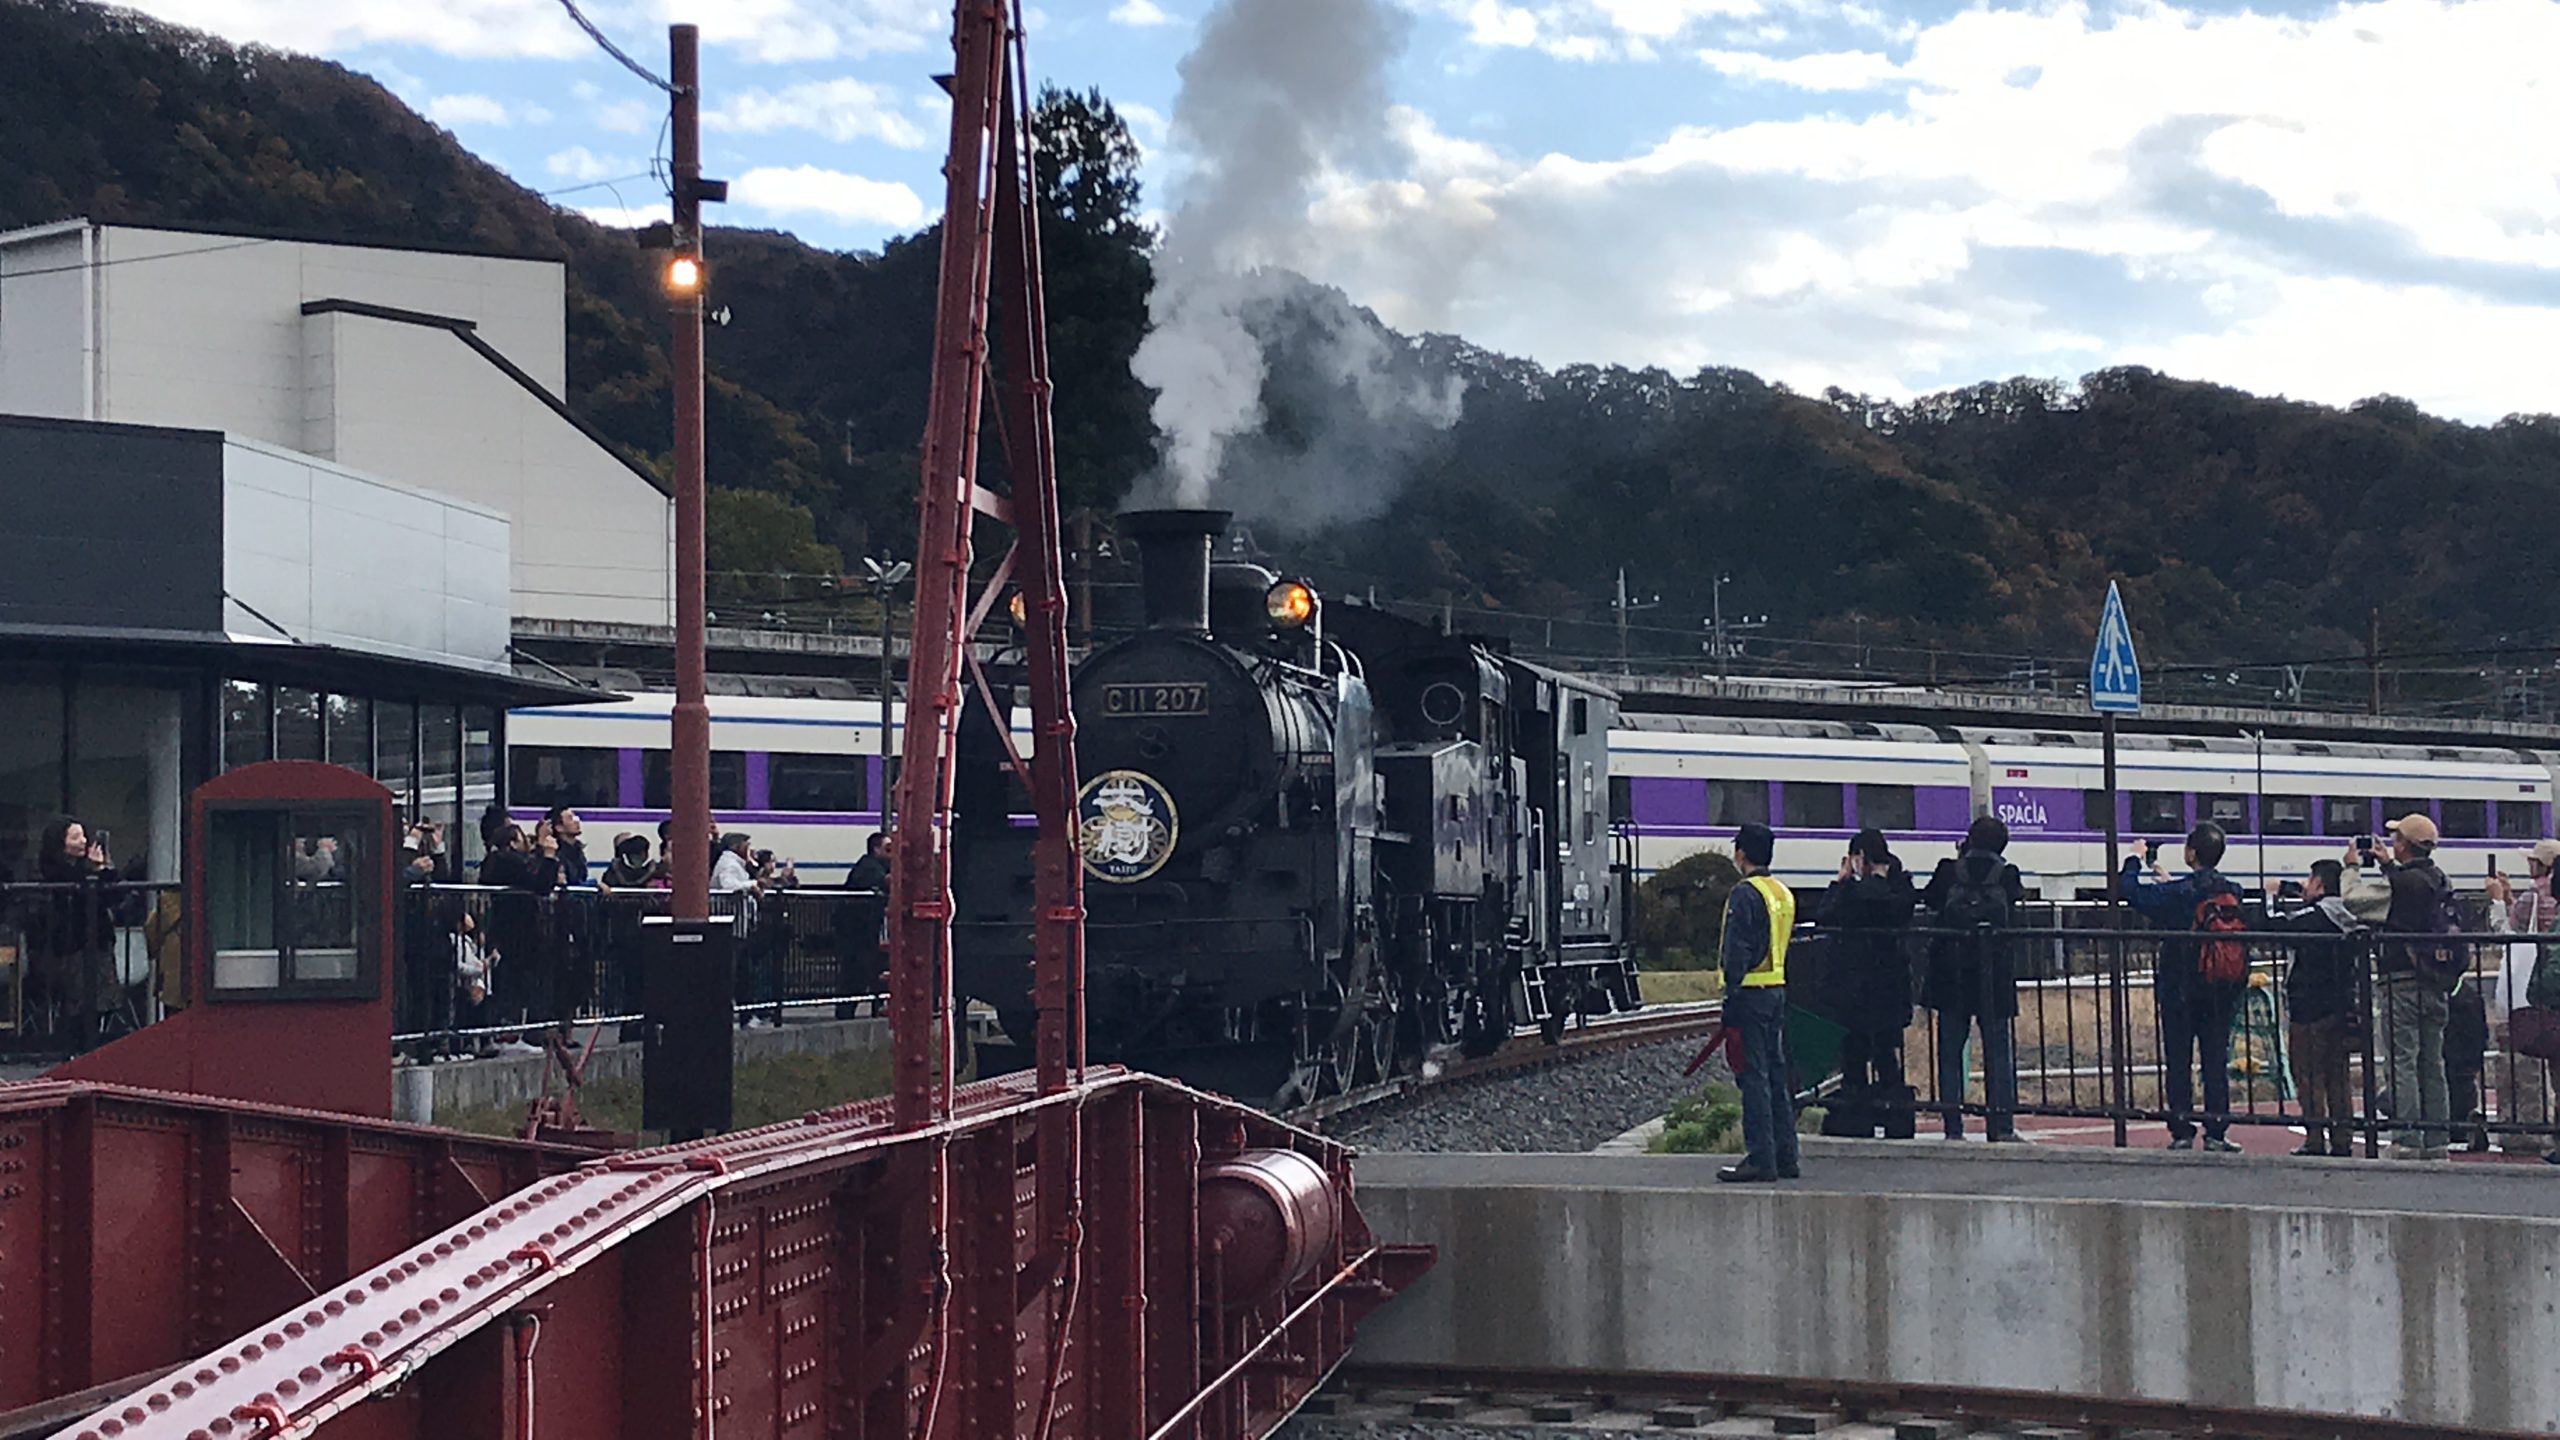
(598, 36)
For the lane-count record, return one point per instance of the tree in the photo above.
(749, 533)
(1680, 910)
(1094, 260)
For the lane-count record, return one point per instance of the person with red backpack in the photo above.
(2202, 973)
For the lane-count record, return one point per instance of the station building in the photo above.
(274, 497)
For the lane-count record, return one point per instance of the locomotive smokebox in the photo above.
(1173, 564)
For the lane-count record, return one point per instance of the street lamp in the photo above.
(886, 575)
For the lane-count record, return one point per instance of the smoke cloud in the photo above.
(1277, 95)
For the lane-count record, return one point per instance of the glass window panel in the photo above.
(2346, 815)
(584, 777)
(2231, 812)
(728, 780)
(125, 778)
(395, 751)
(1888, 807)
(241, 898)
(350, 732)
(297, 723)
(2159, 812)
(440, 775)
(1737, 802)
(2519, 819)
(1811, 805)
(1621, 798)
(320, 919)
(31, 775)
(2096, 808)
(247, 728)
(479, 761)
(2464, 819)
(2288, 814)
(833, 783)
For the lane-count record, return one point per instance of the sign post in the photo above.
(2115, 688)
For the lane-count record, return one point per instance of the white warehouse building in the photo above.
(440, 371)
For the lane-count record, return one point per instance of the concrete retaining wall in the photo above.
(422, 1092)
(1645, 1264)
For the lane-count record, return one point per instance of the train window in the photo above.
(1622, 800)
(1737, 802)
(2464, 819)
(2159, 812)
(1810, 805)
(546, 775)
(2346, 815)
(819, 782)
(728, 780)
(1581, 715)
(1888, 807)
(2519, 819)
(2097, 810)
(2231, 812)
(2287, 814)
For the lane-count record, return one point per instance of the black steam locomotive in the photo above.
(1319, 846)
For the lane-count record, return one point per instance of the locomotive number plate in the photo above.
(1186, 699)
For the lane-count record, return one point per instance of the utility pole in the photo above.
(886, 575)
(689, 837)
(1722, 641)
(2373, 658)
(1624, 604)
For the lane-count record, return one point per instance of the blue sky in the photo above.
(2327, 201)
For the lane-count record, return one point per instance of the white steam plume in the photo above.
(1276, 94)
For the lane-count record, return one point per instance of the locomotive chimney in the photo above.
(1173, 564)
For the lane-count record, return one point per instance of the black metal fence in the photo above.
(480, 967)
(473, 969)
(2336, 1036)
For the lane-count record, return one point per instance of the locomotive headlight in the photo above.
(1290, 604)
(1019, 609)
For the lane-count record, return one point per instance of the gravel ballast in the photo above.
(1571, 1106)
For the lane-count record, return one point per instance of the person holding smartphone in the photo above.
(71, 938)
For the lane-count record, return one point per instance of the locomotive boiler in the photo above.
(1320, 843)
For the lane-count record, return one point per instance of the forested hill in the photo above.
(1988, 518)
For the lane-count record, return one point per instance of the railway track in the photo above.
(1378, 1399)
(1526, 1051)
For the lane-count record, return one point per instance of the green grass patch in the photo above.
(784, 1087)
(1674, 987)
(1707, 1123)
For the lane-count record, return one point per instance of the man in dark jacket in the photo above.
(1759, 920)
(2320, 1005)
(1868, 987)
(858, 922)
(2400, 897)
(2195, 1014)
(1973, 975)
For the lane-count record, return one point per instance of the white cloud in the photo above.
(583, 165)
(1591, 30)
(627, 217)
(630, 117)
(2365, 199)
(455, 110)
(831, 194)
(766, 31)
(1140, 13)
(1147, 124)
(1828, 70)
(843, 110)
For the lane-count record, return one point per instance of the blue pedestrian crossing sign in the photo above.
(2115, 676)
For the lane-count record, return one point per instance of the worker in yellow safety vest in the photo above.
(1757, 921)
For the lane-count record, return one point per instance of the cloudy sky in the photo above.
(2327, 201)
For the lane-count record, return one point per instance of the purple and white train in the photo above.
(1685, 782)
(803, 776)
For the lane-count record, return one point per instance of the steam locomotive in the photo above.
(1320, 846)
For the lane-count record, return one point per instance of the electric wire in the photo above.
(598, 36)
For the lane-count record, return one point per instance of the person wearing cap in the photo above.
(2400, 897)
(2522, 909)
(1973, 975)
(1759, 918)
(1868, 987)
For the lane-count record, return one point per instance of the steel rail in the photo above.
(2098, 1412)
(1523, 1052)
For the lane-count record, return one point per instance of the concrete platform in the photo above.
(2421, 1293)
